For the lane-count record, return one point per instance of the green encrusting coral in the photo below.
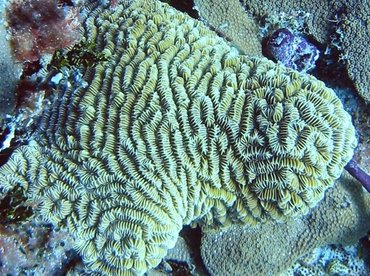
(176, 127)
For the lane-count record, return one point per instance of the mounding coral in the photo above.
(174, 127)
(230, 20)
(270, 248)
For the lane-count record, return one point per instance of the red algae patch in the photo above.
(40, 27)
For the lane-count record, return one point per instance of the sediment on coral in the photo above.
(174, 126)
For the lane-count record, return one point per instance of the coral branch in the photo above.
(358, 173)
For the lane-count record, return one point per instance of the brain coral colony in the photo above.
(174, 127)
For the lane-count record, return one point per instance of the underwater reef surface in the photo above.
(155, 122)
(340, 28)
(342, 25)
(10, 73)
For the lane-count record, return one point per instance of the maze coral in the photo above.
(175, 127)
(38, 27)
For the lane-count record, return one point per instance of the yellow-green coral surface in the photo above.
(175, 127)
